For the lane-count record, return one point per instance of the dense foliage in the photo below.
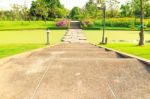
(130, 23)
(132, 9)
(53, 9)
(40, 10)
(75, 13)
(47, 9)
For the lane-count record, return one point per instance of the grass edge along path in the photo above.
(16, 43)
(130, 48)
(13, 49)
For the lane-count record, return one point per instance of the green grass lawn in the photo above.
(95, 36)
(143, 51)
(23, 25)
(129, 46)
(13, 42)
(12, 49)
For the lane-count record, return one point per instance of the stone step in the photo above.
(74, 36)
(63, 46)
(70, 38)
(77, 37)
(89, 55)
(73, 54)
(75, 41)
(74, 49)
(76, 45)
(75, 25)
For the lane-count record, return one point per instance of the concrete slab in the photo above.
(73, 71)
(80, 79)
(20, 76)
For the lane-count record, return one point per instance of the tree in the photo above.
(53, 3)
(147, 9)
(39, 10)
(33, 10)
(16, 11)
(141, 34)
(43, 9)
(75, 13)
(55, 9)
(90, 10)
(126, 10)
(132, 8)
(113, 6)
(24, 12)
(60, 12)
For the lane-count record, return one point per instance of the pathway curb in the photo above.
(23, 54)
(125, 55)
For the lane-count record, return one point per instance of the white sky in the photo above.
(6, 4)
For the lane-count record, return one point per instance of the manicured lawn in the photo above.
(30, 36)
(12, 49)
(13, 42)
(95, 36)
(143, 51)
(20, 25)
(116, 38)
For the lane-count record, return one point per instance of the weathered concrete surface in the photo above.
(74, 36)
(49, 74)
(73, 71)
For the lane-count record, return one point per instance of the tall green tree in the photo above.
(132, 8)
(75, 13)
(16, 11)
(126, 10)
(53, 3)
(45, 9)
(55, 9)
(90, 10)
(33, 10)
(147, 9)
(113, 8)
(25, 13)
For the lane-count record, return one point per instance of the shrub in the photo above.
(131, 23)
(83, 24)
(148, 23)
(87, 23)
(62, 23)
(98, 22)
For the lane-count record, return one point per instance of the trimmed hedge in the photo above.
(131, 23)
(28, 25)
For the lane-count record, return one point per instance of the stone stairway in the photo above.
(75, 25)
(74, 69)
(74, 36)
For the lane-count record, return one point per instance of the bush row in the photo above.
(131, 23)
(26, 25)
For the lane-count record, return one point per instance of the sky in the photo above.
(69, 4)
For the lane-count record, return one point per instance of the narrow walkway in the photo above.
(74, 36)
(73, 70)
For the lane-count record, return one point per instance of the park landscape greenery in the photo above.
(23, 29)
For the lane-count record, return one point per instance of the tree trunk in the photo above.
(45, 21)
(141, 34)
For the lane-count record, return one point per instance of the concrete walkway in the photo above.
(74, 36)
(73, 70)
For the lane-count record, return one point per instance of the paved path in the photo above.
(74, 36)
(74, 70)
